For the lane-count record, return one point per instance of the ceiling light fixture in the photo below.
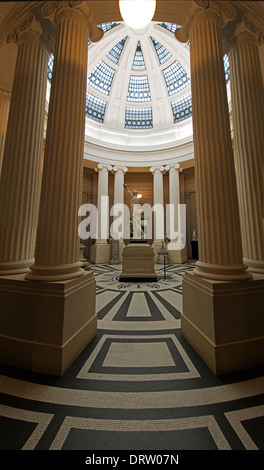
(137, 14)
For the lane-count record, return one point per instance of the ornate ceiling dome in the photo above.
(138, 85)
(139, 82)
(138, 89)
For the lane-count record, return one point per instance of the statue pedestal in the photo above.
(138, 263)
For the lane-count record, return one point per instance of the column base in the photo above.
(255, 265)
(224, 322)
(222, 273)
(177, 253)
(45, 326)
(100, 253)
(9, 268)
(47, 273)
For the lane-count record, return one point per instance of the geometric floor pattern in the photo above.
(137, 386)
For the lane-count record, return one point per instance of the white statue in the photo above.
(134, 197)
(135, 213)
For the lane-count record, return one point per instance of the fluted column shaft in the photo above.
(118, 186)
(247, 107)
(21, 169)
(174, 199)
(119, 191)
(4, 112)
(102, 204)
(57, 248)
(220, 248)
(158, 201)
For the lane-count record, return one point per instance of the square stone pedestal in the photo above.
(138, 263)
(100, 253)
(45, 326)
(224, 322)
(177, 253)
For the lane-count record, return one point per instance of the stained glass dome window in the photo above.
(162, 53)
(115, 53)
(138, 63)
(176, 77)
(95, 108)
(138, 89)
(138, 118)
(101, 78)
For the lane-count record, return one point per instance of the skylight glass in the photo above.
(162, 53)
(50, 67)
(95, 108)
(175, 77)
(116, 51)
(101, 78)
(107, 26)
(138, 63)
(170, 26)
(138, 89)
(226, 68)
(138, 118)
(182, 108)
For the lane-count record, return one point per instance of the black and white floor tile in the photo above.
(137, 386)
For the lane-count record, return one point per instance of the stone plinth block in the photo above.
(44, 326)
(100, 253)
(224, 322)
(177, 254)
(138, 262)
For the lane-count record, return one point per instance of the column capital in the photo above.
(247, 31)
(103, 166)
(29, 25)
(175, 167)
(78, 10)
(157, 169)
(5, 96)
(119, 169)
(203, 10)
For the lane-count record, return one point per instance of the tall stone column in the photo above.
(248, 122)
(49, 319)
(222, 305)
(176, 246)
(57, 246)
(100, 252)
(220, 246)
(4, 112)
(22, 158)
(119, 201)
(158, 208)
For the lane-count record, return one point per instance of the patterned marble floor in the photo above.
(137, 386)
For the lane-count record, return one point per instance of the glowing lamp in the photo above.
(137, 14)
